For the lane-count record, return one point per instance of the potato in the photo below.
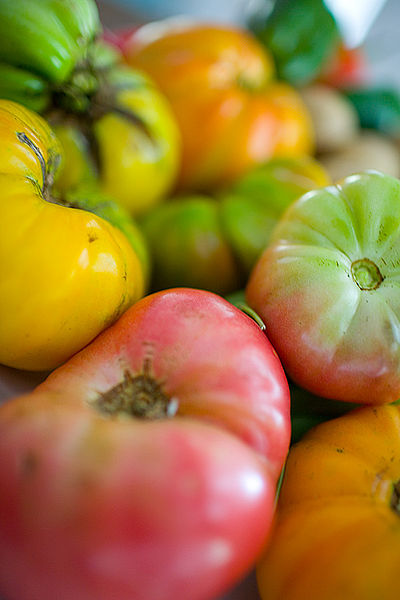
(334, 118)
(371, 150)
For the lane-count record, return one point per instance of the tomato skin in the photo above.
(253, 206)
(102, 508)
(135, 166)
(335, 338)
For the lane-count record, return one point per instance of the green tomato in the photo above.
(254, 205)
(328, 290)
(188, 247)
(48, 38)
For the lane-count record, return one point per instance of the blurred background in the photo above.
(373, 23)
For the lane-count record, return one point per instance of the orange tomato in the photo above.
(231, 113)
(337, 532)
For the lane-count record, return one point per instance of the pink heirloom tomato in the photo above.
(145, 467)
(328, 289)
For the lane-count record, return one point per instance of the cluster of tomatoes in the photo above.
(145, 466)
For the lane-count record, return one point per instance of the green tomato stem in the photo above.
(366, 274)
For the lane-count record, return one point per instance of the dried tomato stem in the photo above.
(139, 396)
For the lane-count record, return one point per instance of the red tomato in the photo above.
(346, 68)
(99, 504)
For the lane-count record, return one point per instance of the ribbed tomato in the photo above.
(146, 466)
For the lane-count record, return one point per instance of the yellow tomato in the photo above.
(337, 531)
(128, 143)
(65, 273)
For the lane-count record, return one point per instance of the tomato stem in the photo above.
(366, 274)
(139, 396)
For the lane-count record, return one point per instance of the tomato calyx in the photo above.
(89, 102)
(366, 274)
(75, 95)
(140, 396)
(85, 100)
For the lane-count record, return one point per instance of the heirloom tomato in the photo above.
(69, 264)
(328, 290)
(252, 207)
(212, 243)
(114, 125)
(337, 530)
(188, 245)
(231, 113)
(146, 466)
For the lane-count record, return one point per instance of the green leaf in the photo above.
(377, 108)
(238, 299)
(308, 410)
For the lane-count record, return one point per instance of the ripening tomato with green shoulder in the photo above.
(337, 529)
(148, 463)
(69, 264)
(232, 114)
(131, 147)
(327, 288)
(115, 126)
